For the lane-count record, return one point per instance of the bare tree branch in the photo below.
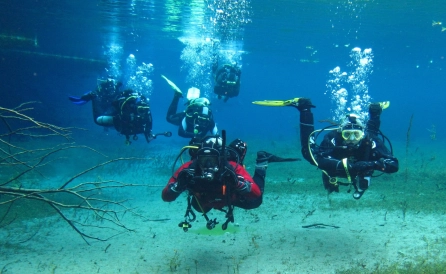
(84, 197)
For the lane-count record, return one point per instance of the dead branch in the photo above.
(85, 197)
(16, 114)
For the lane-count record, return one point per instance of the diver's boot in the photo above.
(375, 109)
(263, 156)
(83, 99)
(178, 93)
(88, 96)
(304, 104)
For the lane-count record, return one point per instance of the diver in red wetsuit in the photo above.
(213, 183)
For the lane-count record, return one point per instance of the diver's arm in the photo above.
(245, 178)
(325, 160)
(169, 194)
(171, 191)
(185, 134)
(334, 167)
(306, 128)
(385, 162)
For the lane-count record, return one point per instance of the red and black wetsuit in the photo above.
(212, 194)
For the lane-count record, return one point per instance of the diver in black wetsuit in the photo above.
(351, 150)
(197, 120)
(127, 111)
(227, 81)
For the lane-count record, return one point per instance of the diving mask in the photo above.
(209, 160)
(352, 129)
(352, 134)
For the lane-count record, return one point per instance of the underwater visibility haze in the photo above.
(343, 54)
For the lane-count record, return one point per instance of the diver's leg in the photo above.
(306, 126)
(171, 116)
(259, 179)
(263, 158)
(374, 121)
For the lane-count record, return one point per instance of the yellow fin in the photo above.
(277, 103)
(384, 104)
(172, 85)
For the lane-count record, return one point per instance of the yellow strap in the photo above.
(125, 102)
(344, 163)
(276, 103)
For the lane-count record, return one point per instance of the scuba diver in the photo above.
(127, 111)
(102, 98)
(350, 150)
(215, 178)
(227, 81)
(197, 120)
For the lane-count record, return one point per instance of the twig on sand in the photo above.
(320, 225)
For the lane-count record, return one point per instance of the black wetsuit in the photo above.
(227, 82)
(329, 153)
(186, 127)
(133, 115)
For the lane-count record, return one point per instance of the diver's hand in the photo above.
(242, 185)
(382, 163)
(185, 177)
(150, 138)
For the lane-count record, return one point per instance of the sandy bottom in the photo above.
(342, 234)
(270, 239)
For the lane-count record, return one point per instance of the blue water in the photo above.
(50, 50)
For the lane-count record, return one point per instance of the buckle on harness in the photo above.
(333, 181)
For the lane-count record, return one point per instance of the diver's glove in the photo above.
(235, 181)
(150, 137)
(185, 177)
(382, 163)
(242, 185)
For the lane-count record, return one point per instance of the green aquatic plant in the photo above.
(406, 171)
(421, 265)
(175, 262)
